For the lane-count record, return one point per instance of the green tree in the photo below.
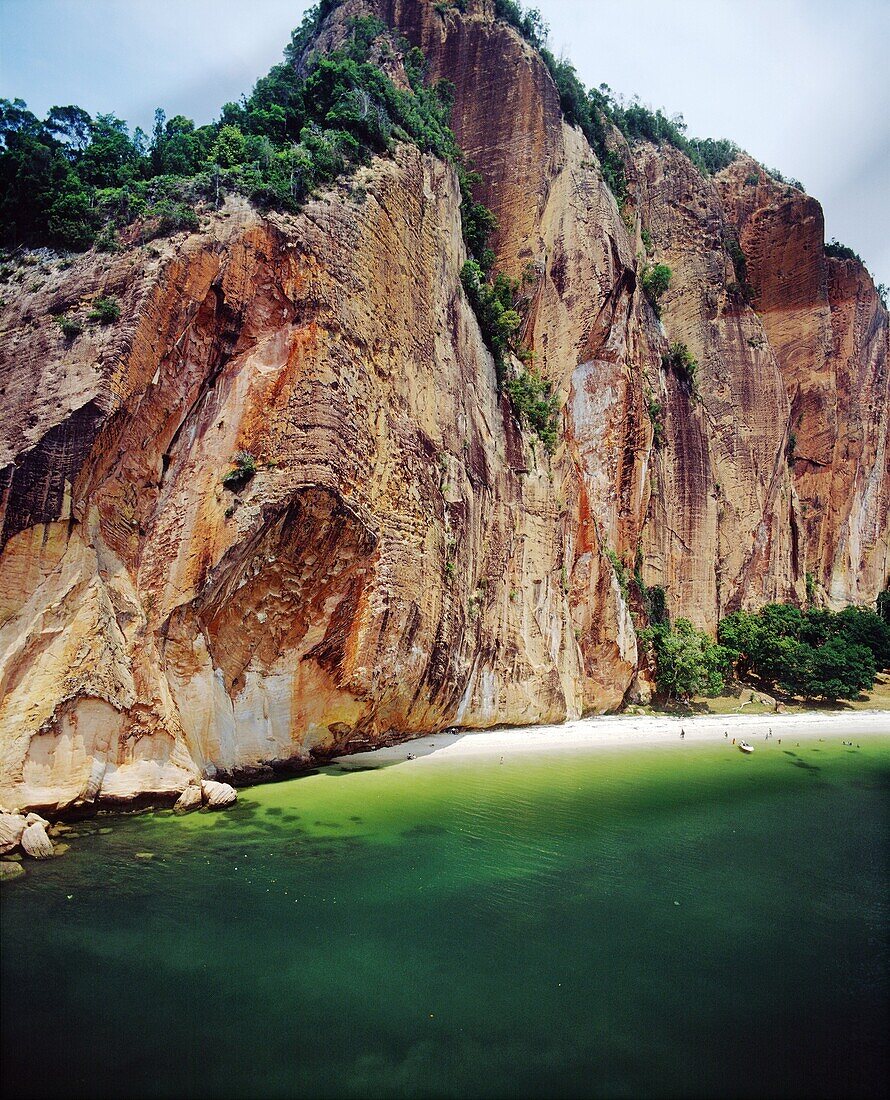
(687, 661)
(71, 125)
(110, 159)
(839, 669)
(230, 148)
(740, 634)
(864, 627)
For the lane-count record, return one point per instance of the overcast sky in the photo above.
(803, 85)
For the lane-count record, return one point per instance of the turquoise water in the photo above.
(675, 922)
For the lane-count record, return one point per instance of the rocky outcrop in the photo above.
(403, 557)
(10, 870)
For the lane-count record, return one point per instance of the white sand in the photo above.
(627, 732)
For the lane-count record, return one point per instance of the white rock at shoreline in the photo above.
(11, 828)
(36, 843)
(218, 795)
(190, 799)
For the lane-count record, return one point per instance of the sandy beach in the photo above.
(624, 732)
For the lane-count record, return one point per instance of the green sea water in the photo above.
(680, 922)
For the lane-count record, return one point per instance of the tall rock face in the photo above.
(724, 518)
(507, 117)
(404, 558)
(395, 563)
(829, 332)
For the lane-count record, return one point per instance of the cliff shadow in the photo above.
(390, 755)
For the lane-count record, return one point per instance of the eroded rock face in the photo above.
(829, 332)
(725, 513)
(404, 559)
(392, 565)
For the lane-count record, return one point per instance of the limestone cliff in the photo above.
(404, 558)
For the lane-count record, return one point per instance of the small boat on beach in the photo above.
(745, 748)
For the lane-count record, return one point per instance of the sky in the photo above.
(803, 85)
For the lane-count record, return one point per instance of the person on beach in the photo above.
(682, 734)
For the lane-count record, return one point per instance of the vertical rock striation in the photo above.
(829, 331)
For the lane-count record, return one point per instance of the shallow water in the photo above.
(675, 922)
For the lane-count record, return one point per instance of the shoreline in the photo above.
(619, 733)
(598, 733)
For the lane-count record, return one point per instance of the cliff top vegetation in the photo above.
(72, 180)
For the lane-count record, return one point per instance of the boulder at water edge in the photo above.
(36, 843)
(190, 799)
(217, 795)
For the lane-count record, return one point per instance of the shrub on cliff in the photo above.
(106, 310)
(717, 154)
(683, 363)
(493, 304)
(838, 251)
(530, 24)
(477, 221)
(244, 466)
(535, 405)
(655, 280)
(71, 328)
(655, 411)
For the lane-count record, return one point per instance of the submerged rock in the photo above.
(11, 828)
(190, 799)
(36, 843)
(10, 870)
(218, 795)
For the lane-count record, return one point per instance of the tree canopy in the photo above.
(815, 654)
(71, 179)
